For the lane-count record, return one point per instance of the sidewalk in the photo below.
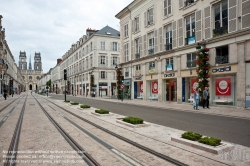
(230, 111)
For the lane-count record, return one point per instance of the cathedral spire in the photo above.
(30, 67)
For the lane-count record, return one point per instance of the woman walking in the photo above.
(196, 98)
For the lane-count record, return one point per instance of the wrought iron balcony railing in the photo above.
(221, 59)
(151, 51)
(220, 31)
(137, 55)
(168, 46)
(191, 63)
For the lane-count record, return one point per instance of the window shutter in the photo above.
(118, 60)
(99, 60)
(245, 14)
(180, 31)
(100, 47)
(118, 46)
(181, 3)
(154, 14)
(124, 52)
(111, 46)
(207, 13)
(232, 16)
(128, 51)
(99, 74)
(111, 61)
(104, 45)
(139, 26)
(140, 45)
(163, 67)
(132, 26)
(155, 43)
(160, 39)
(145, 45)
(106, 59)
(105, 75)
(198, 27)
(174, 42)
(132, 50)
(145, 18)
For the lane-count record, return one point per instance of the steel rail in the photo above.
(8, 104)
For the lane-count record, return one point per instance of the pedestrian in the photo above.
(5, 94)
(205, 94)
(12, 93)
(208, 97)
(196, 98)
(94, 94)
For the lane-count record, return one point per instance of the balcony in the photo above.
(221, 59)
(137, 56)
(168, 46)
(191, 63)
(151, 51)
(126, 74)
(188, 2)
(190, 40)
(220, 31)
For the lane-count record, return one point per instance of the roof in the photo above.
(124, 9)
(108, 31)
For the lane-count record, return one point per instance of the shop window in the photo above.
(190, 30)
(191, 60)
(221, 18)
(169, 37)
(222, 55)
(169, 64)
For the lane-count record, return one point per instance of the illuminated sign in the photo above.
(169, 75)
(223, 69)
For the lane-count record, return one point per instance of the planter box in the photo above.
(119, 120)
(97, 114)
(224, 147)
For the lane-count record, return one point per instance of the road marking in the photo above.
(8, 114)
(4, 119)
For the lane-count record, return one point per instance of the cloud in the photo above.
(50, 27)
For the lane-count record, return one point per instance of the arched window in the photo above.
(30, 77)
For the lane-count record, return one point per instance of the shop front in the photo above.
(223, 85)
(127, 89)
(169, 83)
(138, 88)
(152, 87)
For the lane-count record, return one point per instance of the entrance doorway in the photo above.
(171, 92)
(30, 87)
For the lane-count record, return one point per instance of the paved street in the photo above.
(232, 129)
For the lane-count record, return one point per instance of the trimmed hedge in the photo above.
(85, 106)
(101, 111)
(210, 141)
(191, 136)
(74, 103)
(67, 101)
(133, 120)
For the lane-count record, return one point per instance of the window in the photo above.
(137, 48)
(220, 18)
(87, 63)
(103, 74)
(169, 37)
(82, 65)
(83, 77)
(151, 43)
(91, 47)
(126, 72)
(169, 64)
(150, 16)
(151, 65)
(115, 46)
(30, 77)
(126, 30)
(222, 55)
(191, 60)
(167, 7)
(190, 30)
(102, 45)
(137, 26)
(114, 61)
(91, 62)
(138, 67)
(126, 52)
(102, 62)
(188, 2)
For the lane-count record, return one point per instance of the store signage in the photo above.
(169, 75)
(169, 67)
(151, 70)
(127, 82)
(223, 86)
(141, 86)
(154, 87)
(194, 84)
(138, 78)
(222, 69)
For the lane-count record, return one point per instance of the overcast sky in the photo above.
(51, 26)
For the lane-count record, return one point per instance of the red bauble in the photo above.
(206, 49)
(207, 76)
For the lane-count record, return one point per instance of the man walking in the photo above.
(205, 95)
(5, 94)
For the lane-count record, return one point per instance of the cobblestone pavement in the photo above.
(39, 134)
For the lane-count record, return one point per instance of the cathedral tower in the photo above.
(22, 61)
(37, 62)
(30, 66)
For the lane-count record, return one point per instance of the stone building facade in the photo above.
(158, 49)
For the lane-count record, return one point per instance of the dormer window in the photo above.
(108, 33)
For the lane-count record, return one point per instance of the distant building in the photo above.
(31, 77)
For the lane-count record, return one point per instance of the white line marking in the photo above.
(125, 157)
(4, 118)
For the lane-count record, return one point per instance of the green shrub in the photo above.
(66, 101)
(210, 141)
(101, 111)
(74, 103)
(133, 120)
(191, 136)
(85, 106)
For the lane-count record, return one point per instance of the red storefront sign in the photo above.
(194, 84)
(154, 87)
(223, 86)
(141, 86)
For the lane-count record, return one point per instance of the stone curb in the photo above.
(110, 114)
(131, 125)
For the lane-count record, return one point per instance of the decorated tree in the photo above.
(202, 70)
(118, 83)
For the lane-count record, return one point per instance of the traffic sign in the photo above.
(122, 86)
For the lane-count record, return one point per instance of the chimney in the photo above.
(1, 22)
(59, 60)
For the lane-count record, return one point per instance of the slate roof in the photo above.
(110, 30)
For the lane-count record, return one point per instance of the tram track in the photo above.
(1, 109)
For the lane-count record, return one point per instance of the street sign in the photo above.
(122, 86)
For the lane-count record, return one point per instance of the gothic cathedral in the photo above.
(31, 77)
